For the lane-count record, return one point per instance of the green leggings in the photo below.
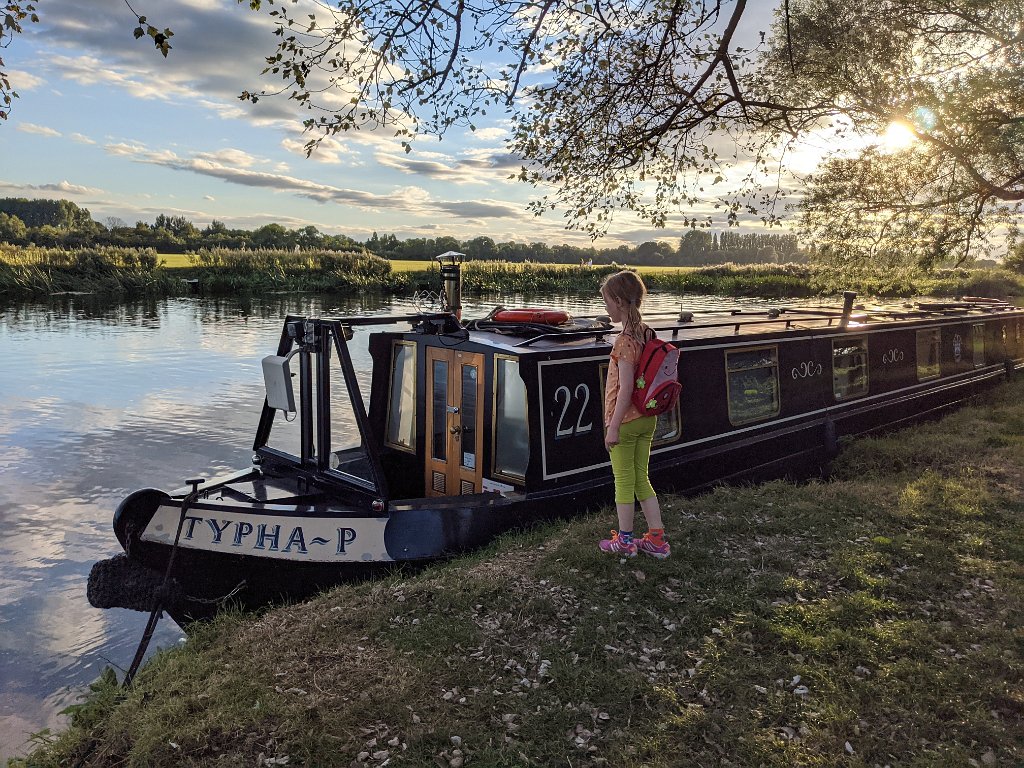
(630, 457)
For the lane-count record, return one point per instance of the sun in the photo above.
(897, 137)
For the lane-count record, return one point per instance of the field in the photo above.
(180, 260)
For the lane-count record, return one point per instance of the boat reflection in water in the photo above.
(471, 428)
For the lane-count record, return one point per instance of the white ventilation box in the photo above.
(277, 377)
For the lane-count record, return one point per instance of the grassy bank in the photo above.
(26, 272)
(872, 619)
(229, 272)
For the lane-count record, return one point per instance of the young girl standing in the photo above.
(628, 433)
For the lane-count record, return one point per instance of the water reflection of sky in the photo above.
(98, 399)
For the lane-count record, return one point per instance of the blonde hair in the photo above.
(629, 290)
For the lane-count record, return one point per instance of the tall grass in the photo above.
(227, 271)
(769, 280)
(27, 271)
(33, 271)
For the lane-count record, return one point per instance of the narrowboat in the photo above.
(470, 428)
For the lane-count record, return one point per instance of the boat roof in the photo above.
(699, 327)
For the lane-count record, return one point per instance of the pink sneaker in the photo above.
(648, 547)
(616, 546)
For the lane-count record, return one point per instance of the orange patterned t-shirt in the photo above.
(625, 348)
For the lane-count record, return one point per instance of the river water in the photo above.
(99, 398)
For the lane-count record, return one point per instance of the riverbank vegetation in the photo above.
(870, 619)
(31, 271)
(28, 272)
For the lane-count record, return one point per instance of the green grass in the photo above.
(871, 619)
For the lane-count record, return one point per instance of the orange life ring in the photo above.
(543, 316)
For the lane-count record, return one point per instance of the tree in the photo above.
(1015, 258)
(946, 74)
(273, 237)
(62, 214)
(480, 248)
(309, 238)
(12, 229)
(656, 107)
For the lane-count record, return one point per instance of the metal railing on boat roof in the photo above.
(690, 325)
(391, 319)
(772, 317)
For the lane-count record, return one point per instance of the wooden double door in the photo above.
(455, 420)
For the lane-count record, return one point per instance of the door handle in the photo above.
(455, 429)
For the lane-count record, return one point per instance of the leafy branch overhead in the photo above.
(14, 14)
(682, 112)
(660, 108)
(160, 39)
(16, 11)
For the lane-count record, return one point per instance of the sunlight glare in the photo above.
(897, 137)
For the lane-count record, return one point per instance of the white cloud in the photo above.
(61, 188)
(230, 156)
(411, 199)
(23, 81)
(81, 139)
(489, 134)
(329, 151)
(40, 130)
(91, 71)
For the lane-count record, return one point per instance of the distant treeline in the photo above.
(63, 224)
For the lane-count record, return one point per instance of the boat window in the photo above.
(978, 343)
(850, 367)
(348, 453)
(511, 430)
(401, 429)
(667, 430)
(438, 385)
(467, 435)
(928, 354)
(753, 384)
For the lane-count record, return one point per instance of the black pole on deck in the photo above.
(161, 595)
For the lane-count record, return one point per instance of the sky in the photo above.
(104, 121)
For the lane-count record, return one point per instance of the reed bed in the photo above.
(226, 271)
(34, 271)
(768, 280)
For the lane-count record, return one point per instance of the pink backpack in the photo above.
(656, 380)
